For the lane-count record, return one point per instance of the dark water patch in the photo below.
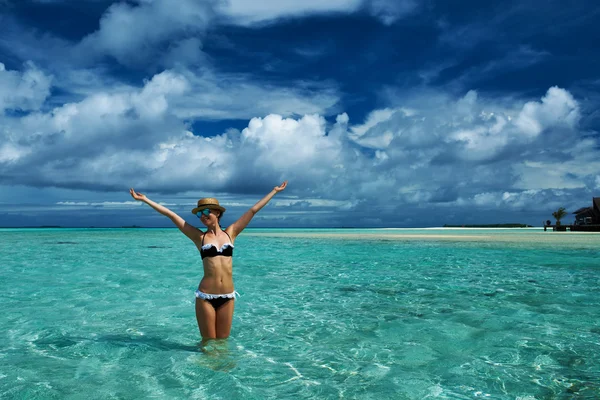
(388, 292)
(570, 360)
(66, 243)
(416, 314)
(381, 291)
(149, 343)
(583, 390)
(58, 342)
(158, 247)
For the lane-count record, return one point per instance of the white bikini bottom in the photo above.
(210, 296)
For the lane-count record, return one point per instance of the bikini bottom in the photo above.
(216, 300)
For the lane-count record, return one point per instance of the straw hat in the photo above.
(210, 203)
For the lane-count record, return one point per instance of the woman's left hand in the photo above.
(280, 188)
(136, 195)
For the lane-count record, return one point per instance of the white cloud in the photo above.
(108, 204)
(155, 32)
(374, 118)
(133, 34)
(524, 199)
(289, 142)
(248, 12)
(486, 199)
(25, 90)
(442, 152)
(558, 107)
(474, 129)
(185, 52)
(150, 34)
(11, 152)
(226, 96)
(389, 11)
(315, 203)
(204, 94)
(423, 149)
(509, 201)
(138, 119)
(152, 100)
(547, 174)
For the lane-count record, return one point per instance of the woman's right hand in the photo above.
(136, 195)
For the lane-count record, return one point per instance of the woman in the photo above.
(215, 296)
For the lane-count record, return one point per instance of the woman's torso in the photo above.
(217, 262)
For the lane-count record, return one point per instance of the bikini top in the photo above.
(211, 250)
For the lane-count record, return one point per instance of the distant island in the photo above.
(490, 226)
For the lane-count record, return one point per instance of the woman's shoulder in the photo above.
(229, 232)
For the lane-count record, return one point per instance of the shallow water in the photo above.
(404, 314)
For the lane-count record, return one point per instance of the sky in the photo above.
(379, 113)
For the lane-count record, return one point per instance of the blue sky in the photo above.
(380, 113)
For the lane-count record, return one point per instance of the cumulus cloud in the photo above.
(294, 144)
(558, 107)
(499, 200)
(422, 156)
(25, 90)
(472, 129)
(379, 138)
(156, 33)
(110, 136)
(132, 34)
(152, 34)
(230, 96)
(544, 173)
(447, 152)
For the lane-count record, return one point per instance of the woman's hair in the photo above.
(219, 219)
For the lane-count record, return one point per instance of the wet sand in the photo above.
(520, 236)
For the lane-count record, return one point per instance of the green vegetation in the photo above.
(559, 214)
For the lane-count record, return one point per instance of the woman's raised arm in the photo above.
(190, 231)
(238, 226)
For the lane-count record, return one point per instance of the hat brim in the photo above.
(210, 207)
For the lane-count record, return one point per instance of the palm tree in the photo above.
(559, 214)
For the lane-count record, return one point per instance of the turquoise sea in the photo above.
(323, 314)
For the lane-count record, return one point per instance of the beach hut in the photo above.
(588, 218)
